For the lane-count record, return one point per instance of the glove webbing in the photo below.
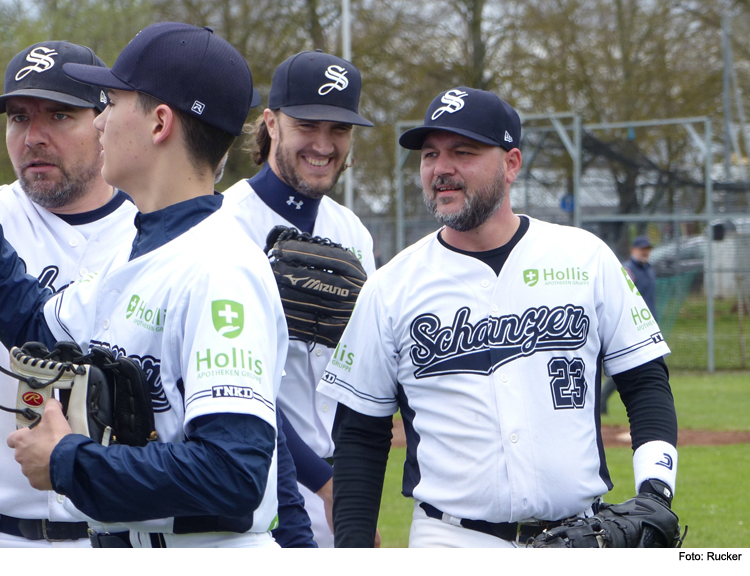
(36, 384)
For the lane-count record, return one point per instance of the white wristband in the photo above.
(658, 460)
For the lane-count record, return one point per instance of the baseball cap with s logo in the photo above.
(476, 114)
(37, 72)
(317, 86)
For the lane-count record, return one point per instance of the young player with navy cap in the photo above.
(302, 141)
(488, 336)
(66, 222)
(211, 479)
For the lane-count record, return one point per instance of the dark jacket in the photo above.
(644, 278)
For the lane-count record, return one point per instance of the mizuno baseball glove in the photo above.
(319, 282)
(645, 521)
(104, 398)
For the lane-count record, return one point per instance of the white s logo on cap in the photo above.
(338, 75)
(41, 59)
(453, 100)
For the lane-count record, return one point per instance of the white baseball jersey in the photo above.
(495, 375)
(202, 316)
(310, 413)
(58, 253)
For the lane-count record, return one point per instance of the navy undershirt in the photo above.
(496, 257)
(285, 200)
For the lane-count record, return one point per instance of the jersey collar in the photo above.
(93, 215)
(157, 228)
(285, 200)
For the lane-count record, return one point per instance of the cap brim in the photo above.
(46, 95)
(96, 75)
(256, 99)
(414, 138)
(325, 113)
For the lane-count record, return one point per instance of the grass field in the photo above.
(711, 495)
(688, 338)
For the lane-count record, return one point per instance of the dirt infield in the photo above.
(618, 436)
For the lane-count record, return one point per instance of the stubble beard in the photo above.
(478, 206)
(71, 186)
(285, 163)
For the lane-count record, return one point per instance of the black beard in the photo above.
(478, 206)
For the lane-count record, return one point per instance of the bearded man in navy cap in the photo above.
(487, 336)
(302, 141)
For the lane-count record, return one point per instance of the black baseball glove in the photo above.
(318, 281)
(104, 398)
(645, 521)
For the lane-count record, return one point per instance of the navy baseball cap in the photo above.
(642, 242)
(37, 72)
(189, 68)
(476, 114)
(317, 86)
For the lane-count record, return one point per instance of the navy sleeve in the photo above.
(312, 471)
(221, 469)
(359, 462)
(294, 530)
(22, 301)
(648, 400)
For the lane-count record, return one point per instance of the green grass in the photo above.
(703, 401)
(711, 496)
(688, 338)
(395, 510)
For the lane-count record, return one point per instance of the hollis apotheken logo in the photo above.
(145, 316)
(531, 277)
(570, 275)
(228, 317)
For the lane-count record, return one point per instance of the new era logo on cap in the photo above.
(476, 114)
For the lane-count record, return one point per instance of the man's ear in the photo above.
(512, 165)
(272, 123)
(164, 123)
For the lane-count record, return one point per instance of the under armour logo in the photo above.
(656, 338)
(338, 75)
(294, 280)
(453, 100)
(507, 137)
(41, 61)
(291, 202)
(667, 462)
(198, 107)
(102, 97)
